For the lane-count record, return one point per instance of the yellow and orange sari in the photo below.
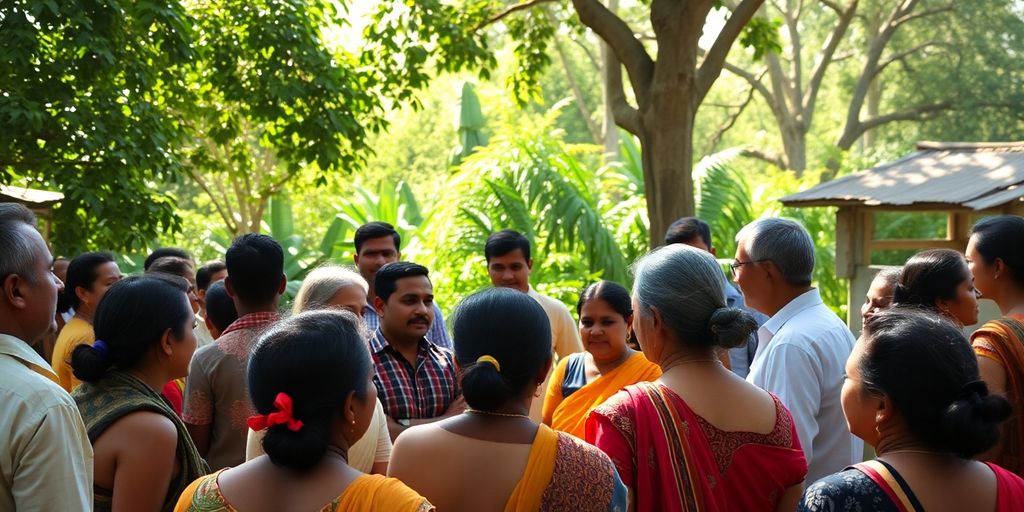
(569, 414)
(366, 493)
(565, 473)
(1003, 342)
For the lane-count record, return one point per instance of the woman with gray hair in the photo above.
(334, 287)
(708, 437)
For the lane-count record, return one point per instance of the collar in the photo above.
(803, 301)
(255, 320)
(18, 349)
(378, 342)
(531, 292)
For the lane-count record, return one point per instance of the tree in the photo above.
(85, 88)
(894, 46)
(110, 101)
(408, 41)
(269, 98)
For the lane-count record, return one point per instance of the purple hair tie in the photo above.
(101, 347)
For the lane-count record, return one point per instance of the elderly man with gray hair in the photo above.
(802, 349)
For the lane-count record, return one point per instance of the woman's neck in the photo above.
(1011, 301)
(681, 359)
(604, 367)
(153, 378)
(84, 314)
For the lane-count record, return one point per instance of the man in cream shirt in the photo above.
(802, 349)
(509, 266)
(45, 455)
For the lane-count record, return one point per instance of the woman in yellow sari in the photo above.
(995, 255)
(585, 380)
(493, 457)
(310, 383)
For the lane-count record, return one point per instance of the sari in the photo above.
(117, 394)
(569, 414)
(76, 332)
(1003, 342)
(673, 460)
(564, 473)
(876, 485)
(365, 493)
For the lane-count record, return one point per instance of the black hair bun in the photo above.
(970, 425)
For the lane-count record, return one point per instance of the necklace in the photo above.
(492, 413)
(692, 361)
(925, 452)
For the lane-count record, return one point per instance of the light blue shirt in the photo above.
(801, 358)
(741, 357)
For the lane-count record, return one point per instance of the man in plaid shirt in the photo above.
(417, 380)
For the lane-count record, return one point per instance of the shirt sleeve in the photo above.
(566, 335)
(438, 331)
(790, 373)
(55, 468)
(198, 406)
(383, 452)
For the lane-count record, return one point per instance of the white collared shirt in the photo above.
(45, 455)
(801, 357)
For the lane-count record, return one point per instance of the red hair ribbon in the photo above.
(283, 416)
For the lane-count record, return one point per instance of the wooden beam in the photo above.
(907, 244)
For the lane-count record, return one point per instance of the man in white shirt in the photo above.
(509, 266)
(802, 349)
(46, 460)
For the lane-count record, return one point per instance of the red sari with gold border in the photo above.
(673, 460)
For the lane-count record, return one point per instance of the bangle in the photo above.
(403, 422)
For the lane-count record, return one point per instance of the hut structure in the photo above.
(961, 182)
(41, 202)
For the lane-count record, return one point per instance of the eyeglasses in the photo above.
(735, 265)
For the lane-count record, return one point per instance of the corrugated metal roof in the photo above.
(29, 195)
(977, 176)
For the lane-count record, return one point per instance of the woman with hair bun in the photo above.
(143, 455)
(995, 255)
(493, 457)
(699, 438)
(939, 280)
(912, 391)
(89, 275)
(586, 379)
(310, 382)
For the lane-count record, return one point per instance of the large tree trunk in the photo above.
(668, 160)
(794, 141)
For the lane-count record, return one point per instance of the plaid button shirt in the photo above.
(408, 392)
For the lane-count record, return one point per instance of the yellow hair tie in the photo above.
(489, 359)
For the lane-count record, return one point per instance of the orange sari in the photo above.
(366, 493)
(569, 414)
(1003, 342)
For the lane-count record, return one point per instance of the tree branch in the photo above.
(628, 50)
(753, 80)
(711, 67)
(827, 54)
(577, 92)
(773, 159)
(906, 53)
(918, 113)
(625, 116)
(717, 137)
(927, 12)
(511, 10)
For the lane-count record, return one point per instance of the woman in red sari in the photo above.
(912, 390)
(700, 438)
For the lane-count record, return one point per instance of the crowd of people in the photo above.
(188, 388)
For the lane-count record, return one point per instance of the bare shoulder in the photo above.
(153, 428)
